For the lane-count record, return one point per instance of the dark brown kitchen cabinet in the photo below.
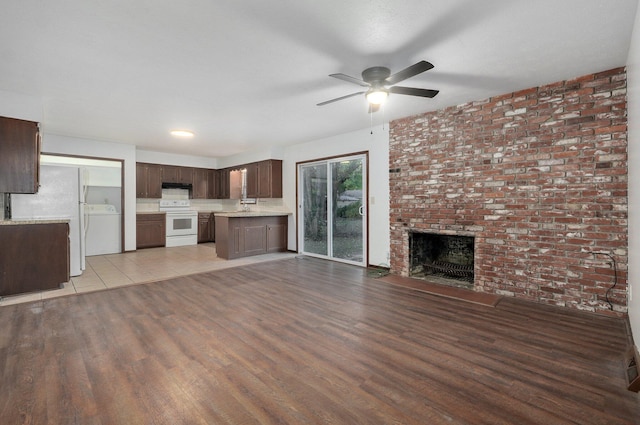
(212, 184)
(150, 230)
(224, 183)
(177, 174)
(206, 228)
(141, 180)
(170, 174)
(200, 183)
(148, 180)
(252, 179)
(19, 156)
(34, 257)
(277, 236)
(264, 179)
(269, 179)
(186, 175)
(243, 236)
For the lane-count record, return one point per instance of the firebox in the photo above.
(446, 259)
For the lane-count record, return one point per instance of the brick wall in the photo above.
(538, 176)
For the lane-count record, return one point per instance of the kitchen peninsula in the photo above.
(35, 255)
(246, 233)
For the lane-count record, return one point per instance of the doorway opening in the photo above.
(102, 202)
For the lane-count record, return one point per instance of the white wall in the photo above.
(275, 152)
(377, 144)
(633, 114)
(52, 143)
(175, 159)
(21, 106)
(103, 176)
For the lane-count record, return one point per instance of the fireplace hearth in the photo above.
(444, 259)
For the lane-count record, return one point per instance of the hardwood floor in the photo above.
(305, 341)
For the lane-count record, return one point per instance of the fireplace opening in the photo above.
(445, 259)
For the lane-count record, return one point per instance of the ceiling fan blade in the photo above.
(350, 79)
(412, 91)
(340, 98)
(415, 69)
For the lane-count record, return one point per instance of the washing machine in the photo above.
(103, 231)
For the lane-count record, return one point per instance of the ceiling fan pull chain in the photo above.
(371, 125)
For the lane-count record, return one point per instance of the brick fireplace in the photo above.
(538, 178)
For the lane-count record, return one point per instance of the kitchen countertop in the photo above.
(250, 213)
(231, 213)
(33, 221)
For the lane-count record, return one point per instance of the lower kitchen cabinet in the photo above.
(277, 236)
(246, 235)
(34, 257)
(150, 230)
(206, 228)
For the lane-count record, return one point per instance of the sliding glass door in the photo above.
(332, 209)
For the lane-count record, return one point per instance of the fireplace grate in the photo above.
(458, 271)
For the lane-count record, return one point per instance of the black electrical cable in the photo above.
(615, 277)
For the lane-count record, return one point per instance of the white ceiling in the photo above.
(247, 75)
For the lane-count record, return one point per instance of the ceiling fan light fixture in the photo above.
(182, 133)
(377, 97)
(380, 83)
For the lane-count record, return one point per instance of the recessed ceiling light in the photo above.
(182, 133)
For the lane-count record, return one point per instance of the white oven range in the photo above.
(182, 222)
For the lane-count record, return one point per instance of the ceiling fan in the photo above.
(379, 83)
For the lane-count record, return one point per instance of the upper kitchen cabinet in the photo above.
(252, 179)
(19, 156)
(177, 174)
(148, 180)
(269, 179)
(263, 179)
(170, 173)
(212, 184)
(224, 183)
(200, 183)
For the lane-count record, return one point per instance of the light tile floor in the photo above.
(145, 265)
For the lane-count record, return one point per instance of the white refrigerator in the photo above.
(61, 196)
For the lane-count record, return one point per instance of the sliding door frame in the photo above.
(365, 200)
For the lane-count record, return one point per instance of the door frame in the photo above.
(97, 158)
(365, 197)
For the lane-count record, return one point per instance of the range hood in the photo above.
(167, 185)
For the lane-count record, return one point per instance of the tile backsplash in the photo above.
(266, 204)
